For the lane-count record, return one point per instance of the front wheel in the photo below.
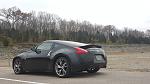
(62, 67)
(93, 69)
(17, 66)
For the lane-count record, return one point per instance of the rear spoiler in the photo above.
(90, 46)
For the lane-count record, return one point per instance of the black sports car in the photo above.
(61, 57)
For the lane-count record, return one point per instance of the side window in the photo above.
(45, 46)
(57, 46)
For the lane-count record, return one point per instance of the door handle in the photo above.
(49, 53)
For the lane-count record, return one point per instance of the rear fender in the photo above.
(68, 53)
(65, 52)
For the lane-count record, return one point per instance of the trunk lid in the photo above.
(96, 54)
(93, 49)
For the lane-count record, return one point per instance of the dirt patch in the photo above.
(118, 53)
(130, 61)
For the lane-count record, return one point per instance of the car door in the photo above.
(39, 58)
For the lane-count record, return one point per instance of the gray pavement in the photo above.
(102, 77)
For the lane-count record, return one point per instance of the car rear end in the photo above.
(91, 56)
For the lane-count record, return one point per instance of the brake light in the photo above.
(80, 51)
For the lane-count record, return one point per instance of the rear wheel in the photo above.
(62, 67)
(17, 66)
(93, 69)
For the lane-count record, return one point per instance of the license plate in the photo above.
(99, 57)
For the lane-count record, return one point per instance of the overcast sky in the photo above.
(121, 13)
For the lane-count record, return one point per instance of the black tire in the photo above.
(62, 67)
(93, 69)
(17, 66)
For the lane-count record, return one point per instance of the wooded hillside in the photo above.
(19, 26)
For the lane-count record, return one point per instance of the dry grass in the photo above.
(5, 63)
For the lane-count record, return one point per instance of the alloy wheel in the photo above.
(61, 67)
(17, 66)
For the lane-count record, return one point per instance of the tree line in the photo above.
(21, 27)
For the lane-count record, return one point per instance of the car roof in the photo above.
(68, 43)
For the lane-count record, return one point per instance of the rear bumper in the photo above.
(86, 66)
(84, 62)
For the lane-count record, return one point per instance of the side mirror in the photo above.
(33, 48)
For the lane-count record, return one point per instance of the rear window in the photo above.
(71, 43)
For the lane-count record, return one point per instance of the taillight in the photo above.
(80, 51)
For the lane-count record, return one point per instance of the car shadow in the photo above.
(46, 74)
(73, 75)
(86, 75)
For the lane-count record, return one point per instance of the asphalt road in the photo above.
(102, 77)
